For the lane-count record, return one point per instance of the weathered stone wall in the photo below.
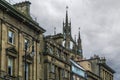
(21, 31)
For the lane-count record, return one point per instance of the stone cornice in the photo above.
(18, 15)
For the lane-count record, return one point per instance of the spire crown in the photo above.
(66, 8)
(66, 14)
(79, 33)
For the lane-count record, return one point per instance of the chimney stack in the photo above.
(24, 7)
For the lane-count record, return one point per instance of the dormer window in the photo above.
(11, 37)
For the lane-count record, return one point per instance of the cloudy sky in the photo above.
(99, 21)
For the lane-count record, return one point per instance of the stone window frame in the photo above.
(52, 67)
(11, 28)
(27, 37)
(13, 65)
(63, 73)
(13, 38)
(28, 40)
(29, 59)
(66, 74)
(12, 53)
(30, 46)
(29, 70)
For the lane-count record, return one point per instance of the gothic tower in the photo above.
(67, 31)
(79, 45)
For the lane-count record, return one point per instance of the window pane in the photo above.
(26, 44)
(10, 65)
(50, 50)
(63, 73)
(11, 37)
(27, 71)
(9, 70)
(53, 68)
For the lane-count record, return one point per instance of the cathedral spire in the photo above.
(66, 15)
(79, 35)
(67, 30)
(79, 44)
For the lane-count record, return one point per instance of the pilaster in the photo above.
(3, 49)
(20, 54)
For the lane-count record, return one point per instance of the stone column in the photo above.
(35, 64)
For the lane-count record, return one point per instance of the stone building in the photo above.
(59, 49)
(70, 43)
(56, 60)
(77, 72)
(20, 43)
(25, 54)
(97, 68)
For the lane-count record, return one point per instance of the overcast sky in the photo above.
(99, 21)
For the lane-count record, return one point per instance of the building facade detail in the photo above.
(97, 68)
(26, 54)
(56, 61)
(67, 31)
(68, 41)
(15, 29)
(78, 73)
